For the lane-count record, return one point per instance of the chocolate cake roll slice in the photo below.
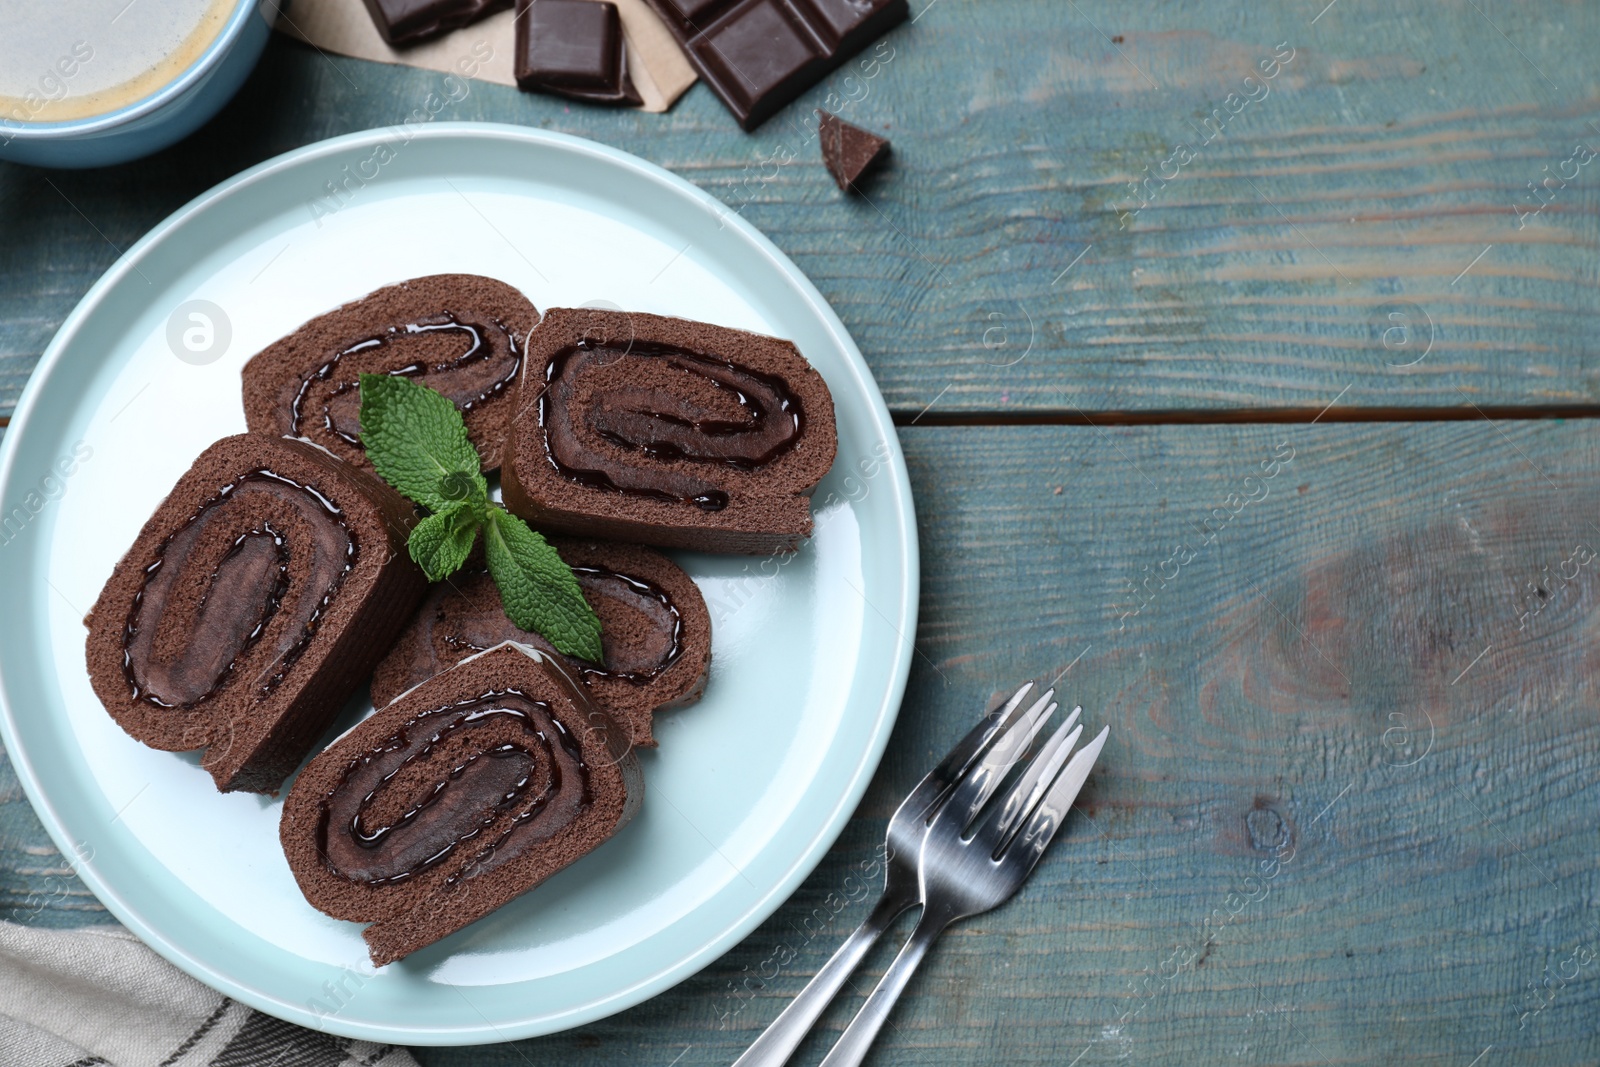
(466, 792)
(255, 601)
(635, 427)
(458, 334)
(654, 628)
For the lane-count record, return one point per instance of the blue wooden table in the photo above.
(1244, 360)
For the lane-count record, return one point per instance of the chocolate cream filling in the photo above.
(260, 561)
(650, 648)
(328, 400)
(475, 783)
(655, 420)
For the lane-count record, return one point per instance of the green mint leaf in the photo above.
(417, 442)
(538, 589)
(441, 542)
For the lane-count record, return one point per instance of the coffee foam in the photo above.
(76, 58)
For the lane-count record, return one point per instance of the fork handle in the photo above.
(863, 1029)
(778, 1042)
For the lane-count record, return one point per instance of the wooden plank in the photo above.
(1344, 662)
(1339, 675)
(37, 885)
(1362, 184)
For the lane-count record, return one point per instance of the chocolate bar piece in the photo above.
(465, 793)
(254, 602)
(403, 22)
(661, 431)
(758, 55)
(655, 631)
(848, 151)
(573, 48)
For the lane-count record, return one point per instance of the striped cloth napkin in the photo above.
(81, 998)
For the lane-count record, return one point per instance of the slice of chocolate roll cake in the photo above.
(466, 792)
(458, 334)
(655, 630)
(635, 427)
(256, 599)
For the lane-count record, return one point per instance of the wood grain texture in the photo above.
(1350, 667)
(1380, 664)
(1385, 156)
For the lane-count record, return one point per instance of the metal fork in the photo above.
(902, 890)
(970, 865)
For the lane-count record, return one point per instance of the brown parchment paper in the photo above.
(485, 49)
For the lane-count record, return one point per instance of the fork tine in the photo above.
(1035, 780)
(930, 794)
(1051, 812)
(981, 782)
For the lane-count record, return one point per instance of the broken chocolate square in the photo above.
(848, 151)
(754, 52)
(403, 22)
(573, 48)
(757, 55)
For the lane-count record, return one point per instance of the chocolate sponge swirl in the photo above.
(669, 432)
(467, 791)
(238, 545)
(458, 334)
(492, 774)
(251, 605)
(655, 632)
(674, 409)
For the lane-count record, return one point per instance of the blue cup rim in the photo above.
(188, 78)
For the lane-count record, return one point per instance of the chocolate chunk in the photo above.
(573, 48)
(655, 631)
(408, 21)
(254, 602)
(635, 427)
(466, 792)
(848, 150)
(758, 55)
(457, 333)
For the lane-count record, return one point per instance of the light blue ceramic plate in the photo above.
(748, 788)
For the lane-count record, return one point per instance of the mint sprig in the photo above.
(417, 441)
(536, 584)
(441, 542)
